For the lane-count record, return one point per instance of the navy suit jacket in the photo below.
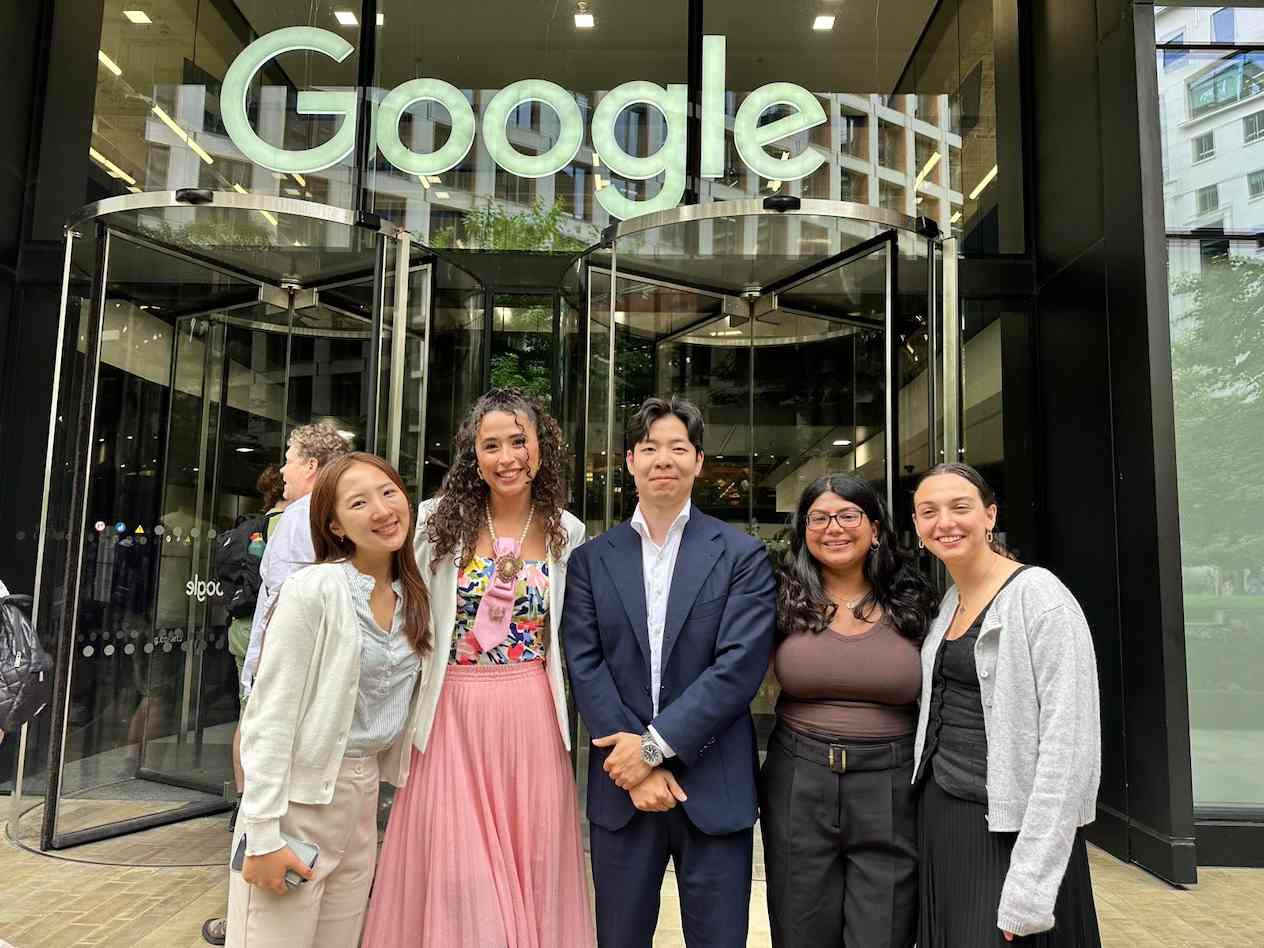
(721, 612)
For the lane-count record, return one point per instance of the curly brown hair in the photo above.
(455, 523)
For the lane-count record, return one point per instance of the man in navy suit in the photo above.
(667, 627)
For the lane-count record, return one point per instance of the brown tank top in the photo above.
(857, 687)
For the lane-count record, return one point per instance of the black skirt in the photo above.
(963, 867)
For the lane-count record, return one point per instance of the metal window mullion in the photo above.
(934, 385)
(889, 376)
(424, 408)
(76, 526)
(399, 350)
(610, 388)
(374, 368)
(15, 801)
(952, 355)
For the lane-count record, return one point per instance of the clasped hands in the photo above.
(653, 789)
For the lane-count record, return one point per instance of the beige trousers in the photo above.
(328, 911)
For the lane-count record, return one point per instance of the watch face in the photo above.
(651, 753)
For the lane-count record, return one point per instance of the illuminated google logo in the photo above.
(750, 138)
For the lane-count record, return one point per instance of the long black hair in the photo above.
(896, 585)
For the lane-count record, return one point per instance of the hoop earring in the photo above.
(874, 545)
(921, 544)
(989, 536)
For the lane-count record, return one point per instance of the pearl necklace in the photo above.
(507, 567)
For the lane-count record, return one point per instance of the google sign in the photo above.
(671, 101)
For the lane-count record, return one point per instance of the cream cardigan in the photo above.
(295, 727)
(442, 586)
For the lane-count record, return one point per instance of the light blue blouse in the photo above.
(388, 671)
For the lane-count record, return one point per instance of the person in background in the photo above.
(838, 811)
(289, 547)
(333, 710)
(483, 846)
(668, 628)
(310, 448)
(271, 488)
(1008, 737)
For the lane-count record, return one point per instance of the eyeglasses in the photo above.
(819, 519)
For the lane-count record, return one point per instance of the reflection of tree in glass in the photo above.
(210, 231)
(1218, 375)
(491, 227)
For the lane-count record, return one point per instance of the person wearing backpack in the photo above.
(237, 562)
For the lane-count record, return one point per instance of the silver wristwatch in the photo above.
(651, 753)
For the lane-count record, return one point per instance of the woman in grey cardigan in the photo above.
(1008, 738)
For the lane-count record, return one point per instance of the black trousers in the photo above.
(713, 877)
(840, 842)
(963, 870)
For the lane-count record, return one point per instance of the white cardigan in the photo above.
(295, 727)
(442, 585)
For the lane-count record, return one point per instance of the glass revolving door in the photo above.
(807, 332)
(209, 326)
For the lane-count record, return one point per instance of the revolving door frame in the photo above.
(944, 389)
(70, 448)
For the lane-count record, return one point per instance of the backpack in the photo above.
(237, 558)
(26, 670)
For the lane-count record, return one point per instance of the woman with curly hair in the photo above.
(837, 808)
(483, 847)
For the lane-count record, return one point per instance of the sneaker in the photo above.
(213, 930)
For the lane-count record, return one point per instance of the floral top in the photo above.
(528, 627)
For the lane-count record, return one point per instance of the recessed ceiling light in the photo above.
(583, 17)
(442, 195)
(823, 22)
(139, 17)
(841, 443)
(108, 63)
(244, 450)
(346, 18)
(381, 19)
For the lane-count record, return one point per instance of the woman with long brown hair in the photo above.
(483, 847)
(334, 708)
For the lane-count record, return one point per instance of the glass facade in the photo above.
(399, 214)
(162, 120)
(1213, 119)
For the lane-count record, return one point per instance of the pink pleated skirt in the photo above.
(483, 847)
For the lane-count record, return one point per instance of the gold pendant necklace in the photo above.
(506, 567)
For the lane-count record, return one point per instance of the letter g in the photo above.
(237, 83)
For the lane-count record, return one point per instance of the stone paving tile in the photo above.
(51, 903)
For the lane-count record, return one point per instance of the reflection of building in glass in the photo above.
(1212, 119)
(1211, 113)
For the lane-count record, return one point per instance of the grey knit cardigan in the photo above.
(1038, 679)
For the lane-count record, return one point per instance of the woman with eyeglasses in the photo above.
(837, 807)
(1008, 737)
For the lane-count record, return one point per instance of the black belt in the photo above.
(843, 756)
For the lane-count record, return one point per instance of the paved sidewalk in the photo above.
(50, 903)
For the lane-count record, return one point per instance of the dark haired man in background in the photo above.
(667, 627)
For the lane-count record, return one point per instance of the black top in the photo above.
(956, 739)
(959, 761)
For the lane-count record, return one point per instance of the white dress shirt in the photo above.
(658, 565)
(289, 549)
